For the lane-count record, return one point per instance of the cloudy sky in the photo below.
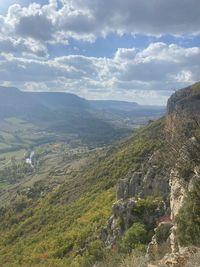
(135, 50)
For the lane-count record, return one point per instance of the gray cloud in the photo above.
(19, 69)
(141, 16)
(25, 33)
(159, 67)
(36, 26)
(21, 46)
(86, 19)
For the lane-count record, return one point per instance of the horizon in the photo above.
(87, 99)
(132, 51)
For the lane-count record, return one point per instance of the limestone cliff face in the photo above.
(124, 215)
(182, 127)
(182, 123)
(151, 180)
(183, 110)
(171, 176)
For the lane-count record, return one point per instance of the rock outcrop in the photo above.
(178, 259)
(125, 213)
(183, 111)
(171, 176)
(182, 127)
(151, 180)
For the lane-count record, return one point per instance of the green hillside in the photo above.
(61, 227)
(84, 207)
(59, 115)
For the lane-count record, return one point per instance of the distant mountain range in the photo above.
(127, 108)
(92, 121)
(16, 102)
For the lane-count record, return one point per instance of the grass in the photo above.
(131, 260)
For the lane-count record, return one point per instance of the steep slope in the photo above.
(183, 134)
(61, 227)
(177, 235)
(183, 110)
(87, 217)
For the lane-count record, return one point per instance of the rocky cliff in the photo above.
(182, 130)
(171, 173)
(150, 181)
(183, 111)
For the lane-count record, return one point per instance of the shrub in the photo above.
(186, 169)
(131, 260)
(134, 236)
(188, 220)
(134, 261)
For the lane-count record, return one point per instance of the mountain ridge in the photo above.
(66, 113)
(96, 103)
(83, 220)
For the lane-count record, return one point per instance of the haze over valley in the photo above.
(99, 133)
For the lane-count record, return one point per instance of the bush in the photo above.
(134, 261)
(188, 220)
(134, 237)
(128, 261)
(186, 169)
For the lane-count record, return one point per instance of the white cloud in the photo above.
(148, 74)
(155, 70)
(22, 46)
(86, 19)
(141, 16)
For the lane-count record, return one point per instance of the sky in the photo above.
(133, 50)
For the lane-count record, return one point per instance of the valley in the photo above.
(88, 204)
(62, 130)
(99, 133)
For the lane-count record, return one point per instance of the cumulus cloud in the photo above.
(159, 62)
(36, 26)
(159, 68)
(141, 16)
(22, 46)
(86, 19)
(27, 32)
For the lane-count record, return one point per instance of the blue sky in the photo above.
(134, 50)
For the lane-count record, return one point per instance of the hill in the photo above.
(105, 204)
(114, 105)
(127, 113)
(62, 115)
(59, 228)
(14, 102)
(58, 114)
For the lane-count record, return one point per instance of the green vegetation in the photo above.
(60, 228)
(195, 88)
(186, 169)
(188, 220)
(135, 237)
(15, 172)
(135, 259)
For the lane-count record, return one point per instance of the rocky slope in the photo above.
(172, 171)
(182, 126)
